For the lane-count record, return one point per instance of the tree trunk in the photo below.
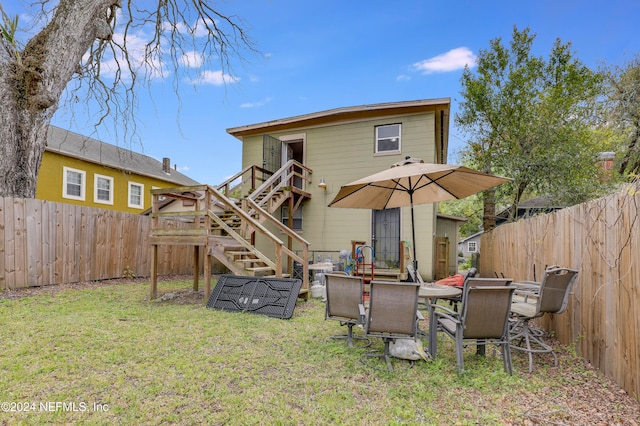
(489, 210)
(31, 84)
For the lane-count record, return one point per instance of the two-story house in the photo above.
(344, 144)
(80, 170)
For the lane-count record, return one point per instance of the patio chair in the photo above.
(393, 314)
(344, 303)
(533, 300)
(484, 317)
(478, 282)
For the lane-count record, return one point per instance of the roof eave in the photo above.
(340, 114)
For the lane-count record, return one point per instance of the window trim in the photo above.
(377, 140)
(83, 183)
(475, 246)
(129, 203)
(285, 218)
(96, 178)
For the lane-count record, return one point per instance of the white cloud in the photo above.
(217, 78)
(135, 51)
(192, 59)
(256, 104)
(403, 77)
(452, 60)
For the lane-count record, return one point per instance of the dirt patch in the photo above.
(56, 288)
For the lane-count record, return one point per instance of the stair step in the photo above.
(260, 268)
(252, 260)
(283, 276)
(237, 253)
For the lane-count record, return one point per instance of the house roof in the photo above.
(342, 114)
(470, 237)
(452, 218)
(531, 206)
(74, 145)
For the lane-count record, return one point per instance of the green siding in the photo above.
(341, 153)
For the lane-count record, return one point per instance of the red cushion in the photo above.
(456, 280)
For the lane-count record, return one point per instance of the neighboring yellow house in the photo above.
(80, 170)
(345, 144)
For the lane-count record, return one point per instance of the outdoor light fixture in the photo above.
(322, 185)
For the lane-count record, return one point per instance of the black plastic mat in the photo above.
(274, 297)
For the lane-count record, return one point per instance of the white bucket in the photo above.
(317, 291)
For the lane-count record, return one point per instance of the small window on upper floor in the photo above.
(136, 195)
(388, 138)
(73, 183)
(472, 247)
(103, 189)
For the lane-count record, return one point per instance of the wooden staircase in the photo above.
(229, 229)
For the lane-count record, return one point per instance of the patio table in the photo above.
(433, 292)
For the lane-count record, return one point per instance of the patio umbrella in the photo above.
(410, 182)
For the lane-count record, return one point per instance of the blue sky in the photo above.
(320, 55)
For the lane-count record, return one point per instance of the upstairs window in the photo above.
(388, 138)
(472, 247)
(136, 195)
(73, 183)
(103, 189)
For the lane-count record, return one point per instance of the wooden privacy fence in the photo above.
(601, 239)
(43, 243)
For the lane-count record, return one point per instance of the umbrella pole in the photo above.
(413, 236)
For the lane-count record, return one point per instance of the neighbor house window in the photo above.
(161, 197)
(297, 218)
(472, 246)
(103, 189)
(136, 195)
(73, 183)
(388, 138)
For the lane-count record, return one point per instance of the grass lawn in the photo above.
(108, 355)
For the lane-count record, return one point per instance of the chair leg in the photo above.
(522, 331)
(351, 337)
(506, 358)
(384, 355)
(459, 353)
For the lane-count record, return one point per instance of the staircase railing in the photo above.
(281, 179)
(203, 196)
(303, 260)
(250, 174)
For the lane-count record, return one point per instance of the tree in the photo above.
(469, 208)
(623, 98)
(95, 44)
(530, 119)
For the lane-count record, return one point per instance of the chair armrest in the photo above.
(527, 285)
(436, 308)
(526, 289)
(455, 318)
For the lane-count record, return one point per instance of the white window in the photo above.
(472, 246)
(388, 138)
(103, 189)
(73, 183)
(136, 195)
(297, 218)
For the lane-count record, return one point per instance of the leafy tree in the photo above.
(623, 119)
(107, 51)
(530, 118)
(469, 208)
